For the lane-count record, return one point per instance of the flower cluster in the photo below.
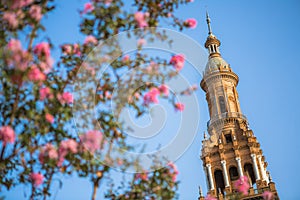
(65, 147)
(141, 19)
(92, 140)
(173, 171)
(179, 106)
(242, 185)
(18, 58)
(177, 61)
(7, 135)
(65, 98)
(141, 176)
(267, 195)
(18, 10)
(50, 153)
(209, 197)
(151, 96)
(36, 178)
(88, 7)
(191, 23)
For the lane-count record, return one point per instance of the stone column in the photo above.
(238, 160)
(206, 179)
(223, 162)
(211, 183)
(257, 177)
(262, 169)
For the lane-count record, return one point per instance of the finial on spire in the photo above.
(208, 24)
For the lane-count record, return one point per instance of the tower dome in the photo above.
(216, 63)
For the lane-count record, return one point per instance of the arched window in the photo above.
(222, 104)
(233, 172)
(250, 173)
(212, 49)
(219, 180)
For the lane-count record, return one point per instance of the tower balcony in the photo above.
(226, 115)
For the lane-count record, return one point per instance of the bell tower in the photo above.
(230, 150)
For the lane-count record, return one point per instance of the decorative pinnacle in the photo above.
(208, 24)
(200, 191)
(204, 135)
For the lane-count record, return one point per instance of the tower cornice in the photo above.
(218, 75)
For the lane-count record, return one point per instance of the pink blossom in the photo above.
(88, 7)
(16, 4)
(178, 61)
(119, 161)
(147, 14)
(36, 178)
(66, 97)
(66, 49)
(49, 118)
(107, 94)
(48, 152)
(42, 49)
(11, 19)
(153, 67)
(35, 74)
(191, 23)
(35, 12)
(173, 168)
(173, 171)
(92, 140)
(76, 49)
(14, 45)
(126, 58)
(190, 1)
(140, 19)
(179, 106)
(164, 89)
(7, 135)
(18, 58)
(108, 2)
(45, 92)
(137, 95)
(46, 66)
(267, 195)
(209, 197)
(141, 42)
(151, 96)
(68, 145)
(242, 185)
(143, 176)
(90, 40)
(65, 147)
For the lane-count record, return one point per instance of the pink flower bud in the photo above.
(7, 135)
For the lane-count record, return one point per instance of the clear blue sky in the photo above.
(260, 40)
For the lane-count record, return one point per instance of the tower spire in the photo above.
(212, 43)
(208, 23)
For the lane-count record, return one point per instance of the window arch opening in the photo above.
(219, 180)
(250, 173)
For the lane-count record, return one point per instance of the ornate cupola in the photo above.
(231, 150)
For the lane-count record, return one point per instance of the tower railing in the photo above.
(226, 115)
